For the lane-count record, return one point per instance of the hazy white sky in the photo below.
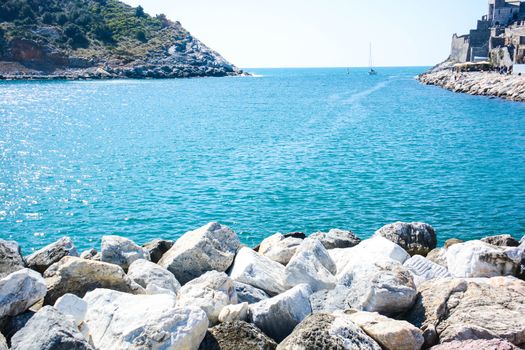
(323, 33)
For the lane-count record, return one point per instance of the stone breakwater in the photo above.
(509, 87)
(331, 290)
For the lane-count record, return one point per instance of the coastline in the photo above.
(396, 290)
(490, 84)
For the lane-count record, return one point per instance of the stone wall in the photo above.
(460, 50)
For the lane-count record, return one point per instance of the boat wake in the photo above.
(353, 99)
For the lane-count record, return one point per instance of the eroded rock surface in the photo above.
(47, 256)
(236, 336)
(416, 238)
(336, 238)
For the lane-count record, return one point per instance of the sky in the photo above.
(324, 33)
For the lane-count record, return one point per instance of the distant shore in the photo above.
(492, 84)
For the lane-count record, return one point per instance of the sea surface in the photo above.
(285, 150)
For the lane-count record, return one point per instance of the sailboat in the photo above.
(371, 71)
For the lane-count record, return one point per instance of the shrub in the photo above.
(48, 18)
(141, 36)
(103, 33)
(76, 36)
(139, 12)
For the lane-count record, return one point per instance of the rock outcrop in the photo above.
(209, 248)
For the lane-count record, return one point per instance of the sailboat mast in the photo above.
(370, 56)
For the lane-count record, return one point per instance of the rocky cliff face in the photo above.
(66, 39)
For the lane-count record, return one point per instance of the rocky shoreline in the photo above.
(492, 84)
(206, 290)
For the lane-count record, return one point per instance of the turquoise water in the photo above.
(288, 150)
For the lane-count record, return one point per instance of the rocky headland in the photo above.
(99, 39)
(491, 84)
(331, 290)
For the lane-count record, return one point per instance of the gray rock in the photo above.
(258, 271)
(328, 301)
(249, 294)
(326, 332)
(311, 264)
(10, 258)
(72, 307)
(79, 276)
(13, 324)
(423, 269)
(157, 248)
(234, 312)
(501, 241)
(437, 256)
(152, 277)
(278, 316)
(121, 251)
(211, 292)
(47, 256)
(19, 291)
(478, 344)
(336, 238)
(3, 343)
(236, 336)
(279, 248)
(209, 248)
(416, 238)
(48, 329)
(89, 254)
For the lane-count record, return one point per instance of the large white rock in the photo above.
(383, 286)
(311, 264)
(390, 334)
(279, 248)
(209, 248)
(423, 269)
(368, 250)
(121, 251)
(19, 291)
(232, 313)
(258, 271)
(278, 316)
(153, 278)
(211, 292)
(118, 321)
(73, 307)
(479, 259)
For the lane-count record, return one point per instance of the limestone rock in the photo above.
(383, 286)
(325, 331)
(157, 248)
(211, 247)
(236, 336)
(249, 294)
(118, 320)
(423, 269)
(390, 334)
(47, 256)
(336, 238)
(312, 265)
(368, 250)
(501, 241)
(148, 275)
(211, 292)
(258, 271)
(48, 329)
(90, 254)
(3, 343)
(278, 316)
(459, 309)
(416, 238)
(79, 276)
(450, 242)
(13, 324)
(121, 251)
(480, 344)
(327, 301)
(438, 256)
(278, 248)
(479, 259)
(72, 306)
(10, 258)
(19, 291)
(233, 313)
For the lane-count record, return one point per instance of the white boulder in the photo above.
(153, 278)
(233, 313)
(258, 271)
(279, 248)
(73, 307)
(211, 292)
(117, 320)
(278, 316)
(121, 251)
(479, 259)
(311, 264)
(19, 291)
(209, 248)
(423, 269)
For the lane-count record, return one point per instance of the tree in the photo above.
(48, 18)
(103, 33)
(61, 18)
(139, 12)
(141, 36)
(76, 36)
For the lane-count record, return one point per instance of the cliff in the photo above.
(78, 39)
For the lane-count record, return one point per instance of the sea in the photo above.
(284, 150)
